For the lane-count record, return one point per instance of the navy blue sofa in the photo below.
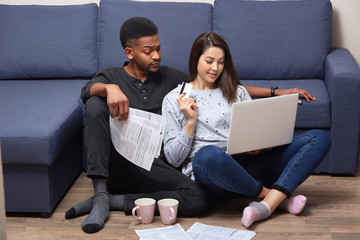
(49, 52)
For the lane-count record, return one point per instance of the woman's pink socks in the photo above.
(256, 211)
(294, 204)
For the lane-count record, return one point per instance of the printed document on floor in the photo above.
(197, 231)
(139, 139)
(174, 232)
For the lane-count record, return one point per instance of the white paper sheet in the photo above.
(199, 231)
(138, 139)
(174, 232)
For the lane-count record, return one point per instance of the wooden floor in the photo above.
(332, 212)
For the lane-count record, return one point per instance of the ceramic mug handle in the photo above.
(134, 212)
(172, 211)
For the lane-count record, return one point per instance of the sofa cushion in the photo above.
(48, 41)
(316, 114)
(38, 119)
(178, 24)
(276, 39)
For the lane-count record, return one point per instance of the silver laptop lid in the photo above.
(262, 123)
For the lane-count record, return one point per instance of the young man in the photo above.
(142, 84)
(145, 83)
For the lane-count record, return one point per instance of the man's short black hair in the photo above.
(135, 28)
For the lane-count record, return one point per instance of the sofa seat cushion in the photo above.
(179, 23)
(38, 42)
(316, 114)
(276, 39)
(38, 118)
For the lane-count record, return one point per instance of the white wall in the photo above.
(346, 19)
(346, 26)
(47, 2)
(74, 2)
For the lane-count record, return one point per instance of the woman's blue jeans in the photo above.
(283, 168)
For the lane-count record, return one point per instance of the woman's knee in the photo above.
(321, 138)
(206, 155)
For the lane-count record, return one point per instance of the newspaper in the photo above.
(139, 139)
(197, 231)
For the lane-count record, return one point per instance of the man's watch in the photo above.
(272, 92)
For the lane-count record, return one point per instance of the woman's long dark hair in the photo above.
(228, 80)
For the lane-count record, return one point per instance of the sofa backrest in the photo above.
(178, 24)
(276, 39)
(48, 41)
(268, 39)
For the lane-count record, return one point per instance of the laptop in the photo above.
(262, 123)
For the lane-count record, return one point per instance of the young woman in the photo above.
(197, 125)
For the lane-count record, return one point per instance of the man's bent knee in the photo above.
(197, 201)
(95, 107)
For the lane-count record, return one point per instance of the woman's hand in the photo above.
(304, 93)
(188, 107)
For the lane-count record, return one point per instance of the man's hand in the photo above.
(260, 92)
(304, 93)
(117, 102)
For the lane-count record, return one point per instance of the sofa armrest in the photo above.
(342, 79)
